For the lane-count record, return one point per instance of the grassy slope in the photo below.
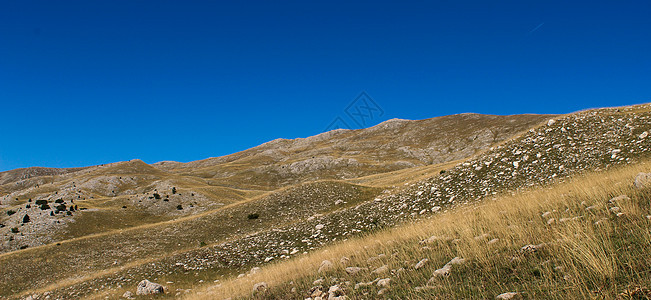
(98, 255)
(144, 245)
(588, 251)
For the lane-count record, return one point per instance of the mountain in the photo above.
(102, 229)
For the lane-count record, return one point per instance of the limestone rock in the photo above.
(642, 180)
(147, 287)
(326, 266)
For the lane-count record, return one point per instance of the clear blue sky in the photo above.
(91, 82)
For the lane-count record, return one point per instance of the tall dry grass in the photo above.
(585, 251)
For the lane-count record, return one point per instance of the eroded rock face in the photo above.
(147, 287)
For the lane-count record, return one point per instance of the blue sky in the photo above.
(91, 82)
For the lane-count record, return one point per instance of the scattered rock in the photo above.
(642, 180)
(127, 295)
(508, 295)
(618, 199)
(326, 266)
(445, 270)
(528, 249)
(147, 287)
(429, 240)
(421, 263)
(381, 270)
(335, 292)
(384, 282)
(260, 287)
(354, 270)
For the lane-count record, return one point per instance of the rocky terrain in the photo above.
(105, 228)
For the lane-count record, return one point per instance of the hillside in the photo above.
(188, 224)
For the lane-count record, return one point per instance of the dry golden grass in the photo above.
(579, 242)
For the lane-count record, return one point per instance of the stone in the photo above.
(508, 295)
(260, 287)
(336, 293)
(421, 263)
(642, 180)
(127, 295)
(381, 270)
(354, 270)
(147, 287)
(326, 266)
(445, 270)
(527, 249)
(384, 282)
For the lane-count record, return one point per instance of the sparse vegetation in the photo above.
(392, 191)
(576, 256)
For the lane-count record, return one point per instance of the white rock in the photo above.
(506, 296)
(326, 266)
(381, 270)
(147, 287)
(642, 180)
(319, 227)
(354, 270)
(384, 282)
(421, 263)
(260, 287)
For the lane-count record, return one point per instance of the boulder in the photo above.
(147, 287)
